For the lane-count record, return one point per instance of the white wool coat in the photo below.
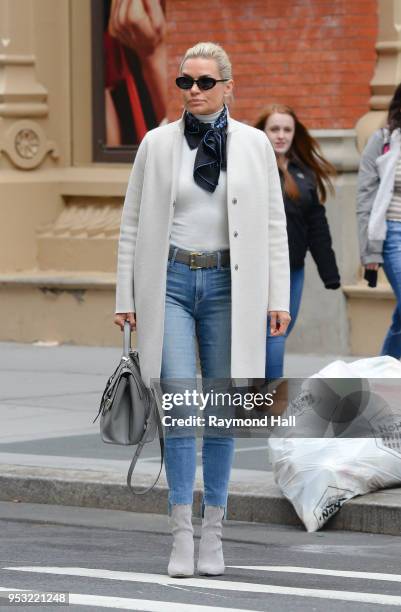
(260, 275)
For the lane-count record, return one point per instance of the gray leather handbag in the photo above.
(128, 410)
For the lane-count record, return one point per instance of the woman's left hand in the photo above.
(279, 321)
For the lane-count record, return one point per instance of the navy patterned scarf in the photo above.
(211, 140)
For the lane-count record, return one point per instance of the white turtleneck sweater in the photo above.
(200, 220)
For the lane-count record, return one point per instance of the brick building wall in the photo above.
(316, 55)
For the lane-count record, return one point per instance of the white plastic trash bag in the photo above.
(318, 475)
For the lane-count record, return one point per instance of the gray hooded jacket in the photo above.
(375, 190)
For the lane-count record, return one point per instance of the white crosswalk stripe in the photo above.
(225, 585)
(142, 605)
(321, 572)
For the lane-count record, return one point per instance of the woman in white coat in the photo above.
(203, 258)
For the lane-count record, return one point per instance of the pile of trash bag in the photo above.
(319, 474)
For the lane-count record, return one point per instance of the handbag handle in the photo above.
(127, 339)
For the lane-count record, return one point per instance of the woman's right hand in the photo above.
(372, 266)
(121, 317)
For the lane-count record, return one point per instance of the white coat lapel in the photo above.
(233, 150)
(176, 158)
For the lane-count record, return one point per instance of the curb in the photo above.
(378, 513)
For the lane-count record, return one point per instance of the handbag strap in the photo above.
(142, 442)
(127, 339)
(139, 448)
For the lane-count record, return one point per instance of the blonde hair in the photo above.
(211, 51)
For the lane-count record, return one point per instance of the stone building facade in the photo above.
(335, 61)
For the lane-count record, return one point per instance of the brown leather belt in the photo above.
(196, 260)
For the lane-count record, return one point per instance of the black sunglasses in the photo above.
(204, 82)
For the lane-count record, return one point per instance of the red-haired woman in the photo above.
(305, 177)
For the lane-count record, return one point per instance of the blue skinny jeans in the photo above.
(275, 345)
(392, 268)
(197, 313)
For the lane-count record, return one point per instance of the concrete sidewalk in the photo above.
(51, 452)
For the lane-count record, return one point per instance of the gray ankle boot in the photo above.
(211, 560)
(181, 563)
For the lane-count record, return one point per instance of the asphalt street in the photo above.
(113, 559)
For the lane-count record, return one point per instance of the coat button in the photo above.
(235, 234)
(234, 200)
(173, 204)
(236, 267)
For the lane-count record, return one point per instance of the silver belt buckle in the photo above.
(192, 265)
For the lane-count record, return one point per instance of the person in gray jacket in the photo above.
(379, 213)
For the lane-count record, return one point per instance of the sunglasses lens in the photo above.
(184, 82)
(206, 83)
